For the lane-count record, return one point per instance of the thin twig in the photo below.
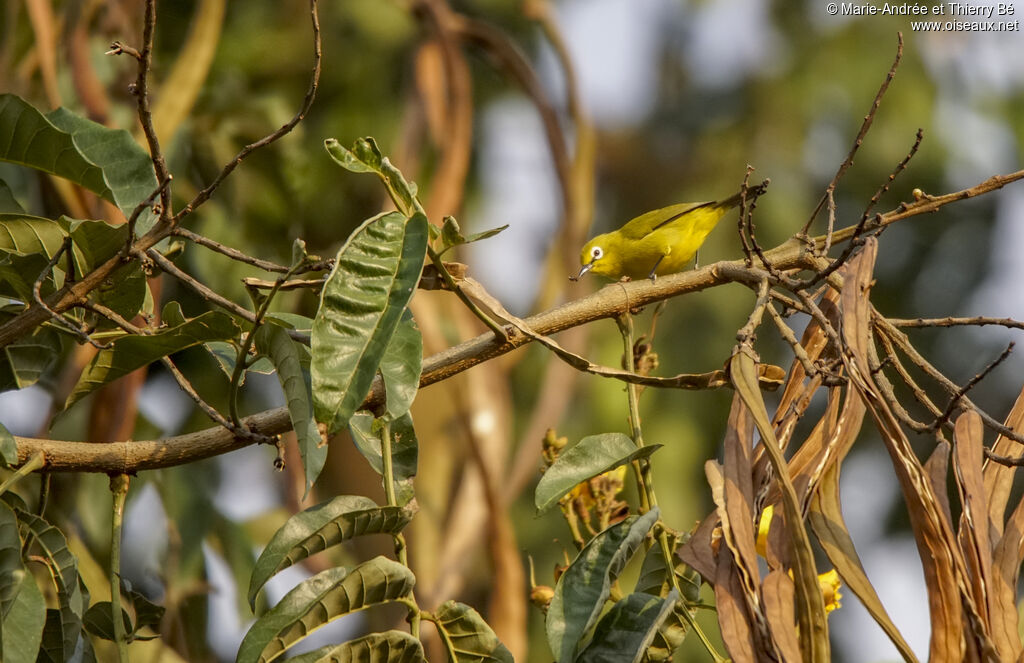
(865, 126)
(959, 395)
(141, 92)
(228, 251)
(892, 176)
(37, 296)
(307, 103)
(741, 221)
(137, 212)
(978, 321)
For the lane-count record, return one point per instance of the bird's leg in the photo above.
(652, 275)
(696, 259)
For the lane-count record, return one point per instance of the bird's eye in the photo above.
(596, 253)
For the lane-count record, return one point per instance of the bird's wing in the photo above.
(647, 223)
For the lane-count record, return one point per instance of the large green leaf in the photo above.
(361, 304)
(132, 352)
(321, 527)
(320, 599)
(467, 637)
(586, 459)
(365, 432)
(24, 234)
(23, 624)
(273, 341)
(106, 161)
(584, 587)
(386, 647)
(401, 366)
(64, 568)
(625, 631)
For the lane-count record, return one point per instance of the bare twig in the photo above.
(57, 317)
(141, 92)
(865, 126)
(962, 391)
(228, 251)
(307, 102)
(978, 321)
(892, 176)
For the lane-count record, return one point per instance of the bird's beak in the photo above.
(583, 270)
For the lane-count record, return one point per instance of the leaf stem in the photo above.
(401, 549)
(119, 488)
(641, 466)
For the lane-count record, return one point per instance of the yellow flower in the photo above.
(762, 530)
(830, 584)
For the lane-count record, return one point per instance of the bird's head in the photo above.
(601, 256)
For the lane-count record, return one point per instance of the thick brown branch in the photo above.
(127, 457)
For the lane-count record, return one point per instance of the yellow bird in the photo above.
(656, 243)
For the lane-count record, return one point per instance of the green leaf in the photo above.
(386, 647)
(365, 432)
(451, 234)
(8, 451)
(24, 234)
(18, 273)
(225, 353)
(321, 527)
(95, 242)
(10, 556)
(132, 352)
(654, 580)
(99, 621)
(467, 637)
(591, 456)
(401, 366)
(64, 569)
(625, 631)
(23, 624)
(582, 590)
(361, 304)
(321, 599)
(106, 161)
(26, 359)
(273, 341)
(366, 157)
(8, 204)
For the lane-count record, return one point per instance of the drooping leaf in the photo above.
(226, 354)
(361, 304)
(404, 449)
(584, 587)
(320, 599)
(27, 359)
(625, 631)
(10, 556)
(468, 638)
(591, 456)
(99, 620)
(401, 366)
(323, 526)
(64, 568)
(386, 647)
(106, 161)
(8, 205)
(273, 341)
(131, 352)
(23, 624)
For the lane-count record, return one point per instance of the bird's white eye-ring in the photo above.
(596, 253)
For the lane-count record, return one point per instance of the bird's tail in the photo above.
(751, 193)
